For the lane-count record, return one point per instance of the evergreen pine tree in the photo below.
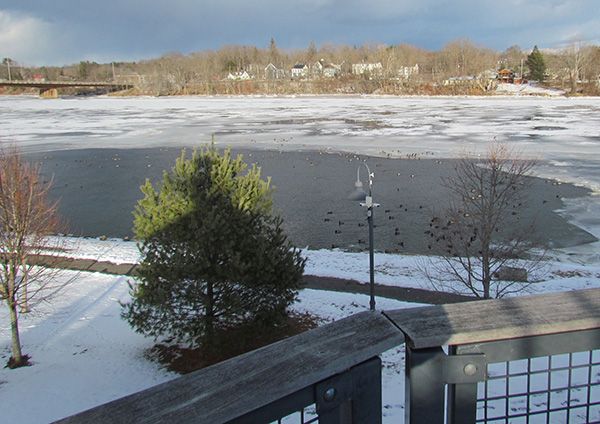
(536, 64)
(214, 255)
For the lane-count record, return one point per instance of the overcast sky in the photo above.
(63, 32)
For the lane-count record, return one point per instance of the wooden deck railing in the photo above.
(451, 352)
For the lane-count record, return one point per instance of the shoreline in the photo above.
(502, 94)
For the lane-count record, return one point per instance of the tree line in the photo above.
(466, 64)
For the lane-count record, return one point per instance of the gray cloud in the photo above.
(38, 32)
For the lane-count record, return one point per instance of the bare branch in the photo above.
(480, 233)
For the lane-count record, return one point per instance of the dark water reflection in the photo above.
(99, 189)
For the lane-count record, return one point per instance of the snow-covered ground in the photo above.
(530, 89)
(85, 355)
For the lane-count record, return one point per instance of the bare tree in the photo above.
(177, 70)
(311, 53)
(462, 57)
(513, 58)
(27, 217)
(481, 240)
(594, 67)
(409, 55)
(275, 56)
(575, 57)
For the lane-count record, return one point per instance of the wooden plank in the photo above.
(481, 321)
(229, 389)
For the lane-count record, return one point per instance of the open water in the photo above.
(99, 188)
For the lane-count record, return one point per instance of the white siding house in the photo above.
(299, 71)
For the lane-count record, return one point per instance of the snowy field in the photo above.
(85, 355)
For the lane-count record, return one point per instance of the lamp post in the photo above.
(360, 194)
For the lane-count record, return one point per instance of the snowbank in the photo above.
(529, 89)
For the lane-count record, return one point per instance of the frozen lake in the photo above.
(563, 133)
(555, 128)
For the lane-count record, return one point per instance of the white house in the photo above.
(331, 70)
(407, 71)
(239, 76)
(299, 71)
(367, 68)
(273, 72)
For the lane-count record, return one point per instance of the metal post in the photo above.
(359, 194)
(425, 386)
(462, 398)
(371, 258)
(353, 397)
(370, 206)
